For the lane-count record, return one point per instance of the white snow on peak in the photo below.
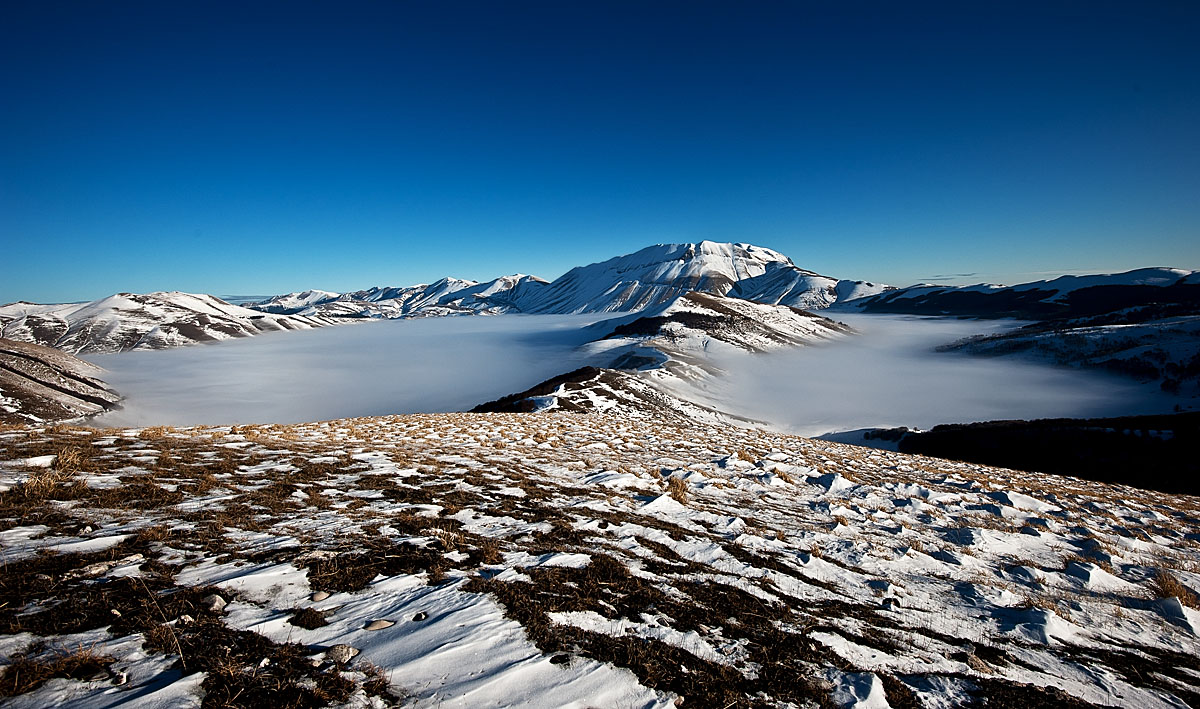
(649, 277)
(292, 302)
(448, 296)
(1059, 287)
(643, 279)
(129, 321)
(1137, 277)
(784, 284)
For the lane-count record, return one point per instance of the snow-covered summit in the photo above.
(644, 279)
(651, 276)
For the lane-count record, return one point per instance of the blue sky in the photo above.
(237, 148)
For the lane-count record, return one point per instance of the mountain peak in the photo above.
(651, 276)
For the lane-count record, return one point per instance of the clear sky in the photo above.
(258, 148)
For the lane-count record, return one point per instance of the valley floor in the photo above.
(566, 559)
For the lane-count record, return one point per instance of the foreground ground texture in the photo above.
(567, 559)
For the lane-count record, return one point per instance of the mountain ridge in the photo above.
(647, 278)
(642, 279)
(131, 321)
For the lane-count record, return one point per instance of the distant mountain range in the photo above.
(1142, 324)
(652, 276)
(130, 321)
(1064, 297)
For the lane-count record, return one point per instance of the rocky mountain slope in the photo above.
(152, 321)
(568, 559)
(44, 384)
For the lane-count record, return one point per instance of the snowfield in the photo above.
(576, 559)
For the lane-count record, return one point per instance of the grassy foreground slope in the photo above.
(575, 559)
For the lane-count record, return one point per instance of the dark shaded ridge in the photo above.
(1152, 452)
(654, 325)
(1031, 304)
(520, 403)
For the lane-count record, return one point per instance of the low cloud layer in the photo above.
(890, 376)
(372, 368)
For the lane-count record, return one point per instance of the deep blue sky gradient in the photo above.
(267, 147)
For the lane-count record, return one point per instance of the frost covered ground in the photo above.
(574, 559)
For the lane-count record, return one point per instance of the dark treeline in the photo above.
(1154, 452)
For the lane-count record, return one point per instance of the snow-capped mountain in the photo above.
(39, 384)
(151, 321)
(1066, 296)
(448, 296)
(644, 279)
(784, 284)
(653, 276)
(291, 303)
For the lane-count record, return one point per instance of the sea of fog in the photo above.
(364, 369)
(886, 376)
(889, 375)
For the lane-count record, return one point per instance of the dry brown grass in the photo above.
(25, 673)
(1166, 585)
(447, 534)
(489, 550)
(68, 460)
(45, 484)
(678, 489)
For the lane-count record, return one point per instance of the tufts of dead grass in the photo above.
(678, 490)
(1166, 585)
(26, 672)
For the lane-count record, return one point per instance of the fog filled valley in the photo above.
(887, 374)
(365, 369)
